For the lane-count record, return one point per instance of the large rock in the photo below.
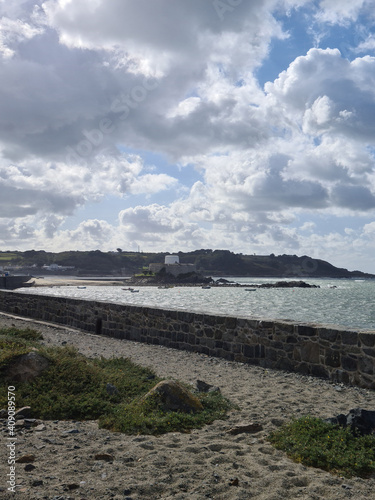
(288, 284)
(359, 420)
(27, 367)
(175, 397)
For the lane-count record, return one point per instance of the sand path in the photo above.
(196, 466)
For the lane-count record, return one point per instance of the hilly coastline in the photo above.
(208, 263)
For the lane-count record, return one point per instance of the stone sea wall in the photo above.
(338, 354)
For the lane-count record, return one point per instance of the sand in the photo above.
(207, 463)
(55, 281)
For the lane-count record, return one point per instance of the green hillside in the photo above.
(208, 262)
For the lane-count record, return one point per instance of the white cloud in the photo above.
(152, 219)
(84, 80)
(308, 226)
(367, 45)
(13, 32)
(90, 234)
(343, 11)
(319, 115)
(369, 229)
(153, 183)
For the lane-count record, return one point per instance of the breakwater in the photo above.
(337, 354)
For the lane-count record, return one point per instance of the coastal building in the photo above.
(172, 266)
(56, 267)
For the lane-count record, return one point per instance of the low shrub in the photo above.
(148, 417)
(26, 333)
(15, 342)
(76, 387)
(314, 442)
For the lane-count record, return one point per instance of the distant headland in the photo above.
(205, 262)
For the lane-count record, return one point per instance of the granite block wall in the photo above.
(333, 353)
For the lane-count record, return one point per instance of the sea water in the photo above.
(338, 302)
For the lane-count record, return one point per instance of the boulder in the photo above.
(359, 420)
(175, 397)
(288, 284)
(27, 367)
(204, 387)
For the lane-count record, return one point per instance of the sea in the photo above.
(345, 303)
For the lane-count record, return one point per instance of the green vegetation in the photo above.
(316, 443)
(148, 416)
(15, 342)
(208, 262)
(8, 256)
(75, 387)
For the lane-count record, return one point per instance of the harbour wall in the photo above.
(332, 353)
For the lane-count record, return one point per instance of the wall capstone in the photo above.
(334, 353)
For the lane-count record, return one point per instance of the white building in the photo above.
(172, 266)
(56, 267)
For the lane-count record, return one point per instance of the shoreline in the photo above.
(202, 464)
(56, 282)
(123, 282)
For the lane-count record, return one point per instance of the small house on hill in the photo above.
(172, 266)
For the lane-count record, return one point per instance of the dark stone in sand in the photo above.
(359, 420)
(204, 387)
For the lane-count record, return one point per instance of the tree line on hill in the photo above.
(207, 261)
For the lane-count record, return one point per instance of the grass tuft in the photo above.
(75, 387)
(316, 443)
(26, 334)
(148, 417)
(15, 342)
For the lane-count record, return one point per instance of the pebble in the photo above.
(29, 467)
(40, 428)
(104, 456)
(37, 482)
(25, 459)
(263, 396)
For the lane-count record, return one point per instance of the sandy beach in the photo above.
(48, 281)
(207, 463)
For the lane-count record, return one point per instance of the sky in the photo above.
(175, 125)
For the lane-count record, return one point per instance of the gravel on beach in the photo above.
(77, 460)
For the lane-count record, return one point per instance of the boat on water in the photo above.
(11, 282)
(250, 289)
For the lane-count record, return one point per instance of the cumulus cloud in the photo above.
(90, 88)
(12, 32)
(344, 11)
(153, 219)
